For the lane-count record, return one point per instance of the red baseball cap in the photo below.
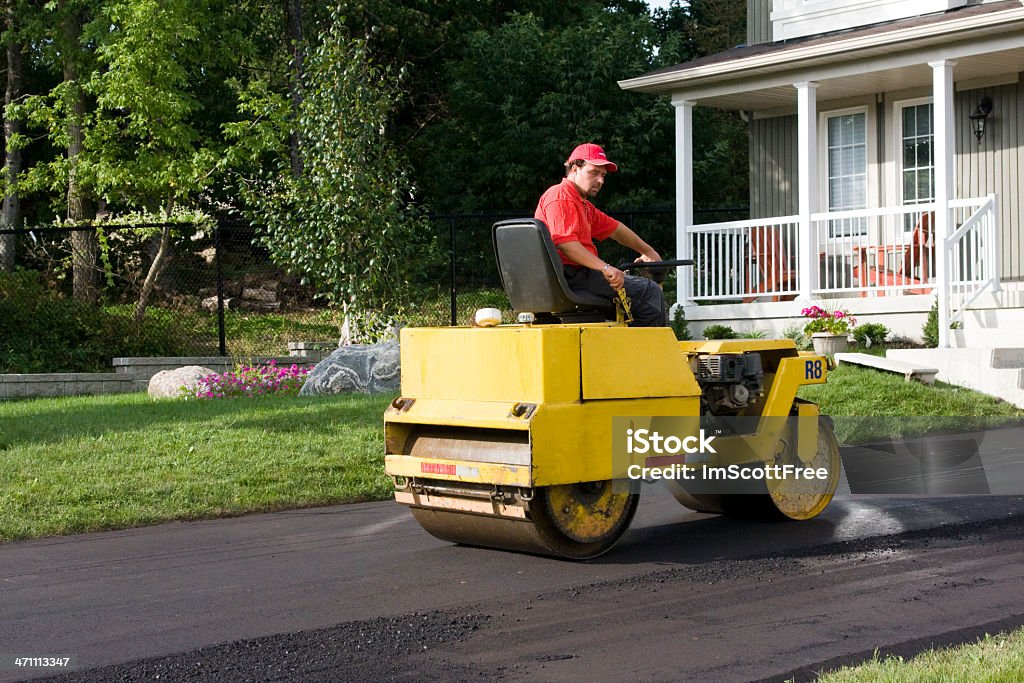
(593, 154)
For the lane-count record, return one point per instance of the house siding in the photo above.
(994, 165)
(759, 21)
(773, 167)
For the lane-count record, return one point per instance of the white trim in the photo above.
(940, 35)
(684, 193)
(945, 190)
(807, 170)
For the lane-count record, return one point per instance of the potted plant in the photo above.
(829, 330)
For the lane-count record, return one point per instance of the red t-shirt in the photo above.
(571, 218)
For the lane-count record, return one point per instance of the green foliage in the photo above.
(870, 334)
(43, 332)
(678, 325)
(524, 93)
(151, 75)
(347, 224)
(719, 332)
(752, 333)
(796, 334)
(930, 330)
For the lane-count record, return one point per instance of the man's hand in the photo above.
(614, 277)
(648, 257)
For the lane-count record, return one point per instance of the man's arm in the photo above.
(631, 240)
(578, 254)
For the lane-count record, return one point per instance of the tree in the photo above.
(346, 224)
(14, 45)
(523, 95)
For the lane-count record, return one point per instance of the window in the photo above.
(917, 161)
(847, 171)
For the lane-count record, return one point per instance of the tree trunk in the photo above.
(297, 47)
(11, 213)
(84, 244)
(154, 273)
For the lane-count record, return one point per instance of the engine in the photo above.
(730, 381)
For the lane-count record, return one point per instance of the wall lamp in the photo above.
(980, 116)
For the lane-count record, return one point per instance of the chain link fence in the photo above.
(78, 297)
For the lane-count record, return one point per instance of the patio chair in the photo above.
(768, 269)
(913, 261)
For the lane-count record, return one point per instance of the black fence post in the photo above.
(452, 291)
(221, 332)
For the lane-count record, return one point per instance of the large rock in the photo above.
(369, 369)
(168, 383)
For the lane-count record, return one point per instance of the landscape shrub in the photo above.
(719, 332)
(42, 331)
(870, 334)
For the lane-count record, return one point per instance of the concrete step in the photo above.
(1008, 358)
(972, 336)
(922, 373)
(992, 371)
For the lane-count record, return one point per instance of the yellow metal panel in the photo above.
(457, 470)
(573, 442)
(634, 362)
(737, 345)
(505, 363)
(463, 413)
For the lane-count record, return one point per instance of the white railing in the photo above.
(871, 252)
(973, 253)
(876, 252)
(746, 260)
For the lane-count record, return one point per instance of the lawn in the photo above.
(993, 659)
(78, 464)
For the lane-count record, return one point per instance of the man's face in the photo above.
(588, 178)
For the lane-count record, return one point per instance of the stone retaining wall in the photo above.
(133, 374)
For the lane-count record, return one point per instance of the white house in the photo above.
(886, 161)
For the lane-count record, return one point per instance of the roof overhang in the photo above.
(863, 62)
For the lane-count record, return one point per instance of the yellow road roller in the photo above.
(535, 436)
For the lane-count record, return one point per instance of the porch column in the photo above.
(807, 163)
(684, 198)
(945, 148)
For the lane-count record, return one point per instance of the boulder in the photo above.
(366, 368)
(168, 383)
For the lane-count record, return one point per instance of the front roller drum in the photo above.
(573, 521)
(782, 498)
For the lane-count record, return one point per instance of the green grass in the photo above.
(993, 659)
(80, 464)
(867, 404)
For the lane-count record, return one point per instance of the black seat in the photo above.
(533, 279)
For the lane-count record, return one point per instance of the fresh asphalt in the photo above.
(360, 591)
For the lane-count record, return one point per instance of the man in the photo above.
(575, 224)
